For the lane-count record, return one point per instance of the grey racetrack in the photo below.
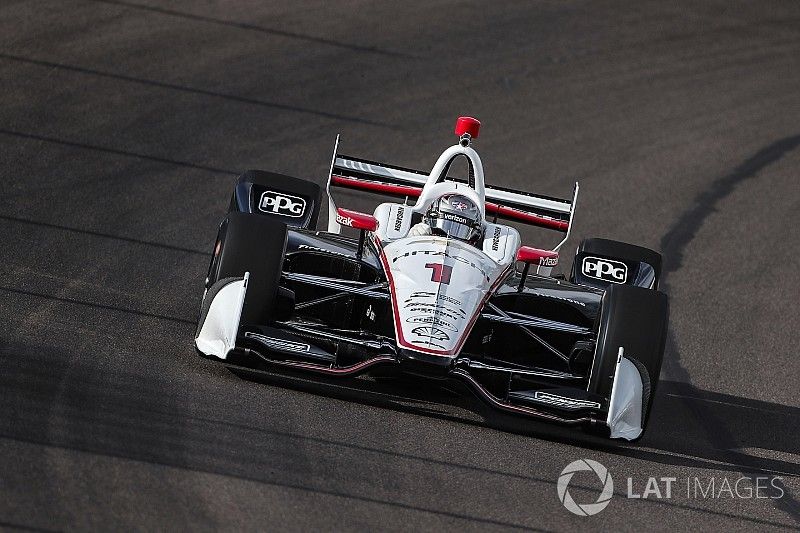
(124, 123)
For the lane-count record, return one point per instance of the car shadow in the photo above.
(742, 435)
(689, 427)
(65, 399)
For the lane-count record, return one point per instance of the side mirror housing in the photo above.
(354, 219)
(545, 258)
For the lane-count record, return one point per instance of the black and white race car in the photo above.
(437, 290)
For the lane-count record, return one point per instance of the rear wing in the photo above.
(361, 174)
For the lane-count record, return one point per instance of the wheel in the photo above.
(634, 256)
(293, 201)
(636, 319)
(254, 244)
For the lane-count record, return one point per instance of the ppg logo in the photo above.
(279, 203)
(605, 269)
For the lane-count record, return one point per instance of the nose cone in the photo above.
(434, 312)
(468, 125)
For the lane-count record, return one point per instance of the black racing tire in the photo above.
(621, 250)
(254, 244)
(636, 319)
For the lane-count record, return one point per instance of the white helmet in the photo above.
(455, 216)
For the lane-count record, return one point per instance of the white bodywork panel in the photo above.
(625, 408)
(438, 287)
(218, 334)
(500, 242)
(394, 221)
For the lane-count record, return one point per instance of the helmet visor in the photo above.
(453, 226)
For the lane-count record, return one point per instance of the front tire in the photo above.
(636, 319)
(255, 244)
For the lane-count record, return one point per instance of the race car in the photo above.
(434, 287)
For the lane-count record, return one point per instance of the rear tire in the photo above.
(254, 244)
(636, 319)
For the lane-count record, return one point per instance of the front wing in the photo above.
(294, 347)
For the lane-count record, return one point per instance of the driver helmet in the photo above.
(455, 216)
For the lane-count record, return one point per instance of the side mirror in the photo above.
(544, 260)
(362, 221)
(354, 219)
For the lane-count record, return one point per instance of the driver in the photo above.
(454, 216)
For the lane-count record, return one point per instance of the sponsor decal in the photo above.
(455, 218)
(344, 221)
(429, 295)
(431, 332)
(421, 294)
(565, 402)
(445, 298)
(318, 249)
(496, 239)
(605, 269)
(430, 319)
(570, 300)
(279, 344)
(421, 304)
(438, 311)
(430, 343)
(398, 222)
(548, 261)
(436, 307)
(278, 203)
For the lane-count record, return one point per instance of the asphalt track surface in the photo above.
(123, 125)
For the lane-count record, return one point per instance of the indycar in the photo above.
(581, 350)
